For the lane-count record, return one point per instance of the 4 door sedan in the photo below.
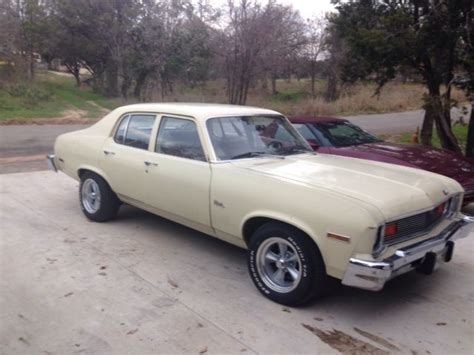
(246, 176)
(337, 136)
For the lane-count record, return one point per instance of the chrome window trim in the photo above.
(116, 128)
(281, 157)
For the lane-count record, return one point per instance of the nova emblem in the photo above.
(446, 192)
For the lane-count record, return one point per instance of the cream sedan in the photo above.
(246, 176)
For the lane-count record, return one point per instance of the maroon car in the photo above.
(340, 137)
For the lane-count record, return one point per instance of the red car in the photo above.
(337, 136)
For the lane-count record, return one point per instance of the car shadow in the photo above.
(200, 240)
(407, 288)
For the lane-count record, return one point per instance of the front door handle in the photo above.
(108, 152)
(149, 163)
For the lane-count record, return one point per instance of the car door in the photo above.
(123, 154)
(178, 178)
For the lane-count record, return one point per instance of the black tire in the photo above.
(312, 280)
(109, 202)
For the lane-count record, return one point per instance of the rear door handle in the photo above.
(108, 152)
(149, 163)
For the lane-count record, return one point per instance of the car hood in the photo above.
(435, 160)
(394, 190)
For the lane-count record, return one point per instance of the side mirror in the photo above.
(313, 143)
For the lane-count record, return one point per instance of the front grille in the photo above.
(413, 226)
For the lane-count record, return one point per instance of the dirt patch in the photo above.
(345, 343)
(50, 120)
(75, 116)
(102, 110)
(22, 158)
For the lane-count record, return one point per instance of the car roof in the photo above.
(315, 119)
(197, 110)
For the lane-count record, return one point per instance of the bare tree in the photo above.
(240, 47)
(335, 57)
(257, 39)
(22, 27)
(287, 37)
(315, 46)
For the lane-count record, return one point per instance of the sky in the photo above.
(307, 8)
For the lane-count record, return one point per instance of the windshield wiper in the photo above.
(253, 154)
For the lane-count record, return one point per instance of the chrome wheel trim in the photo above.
(279, 265)
(90, 194)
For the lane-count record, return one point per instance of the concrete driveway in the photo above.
(143, 285)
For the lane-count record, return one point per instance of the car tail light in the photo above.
(390, 229)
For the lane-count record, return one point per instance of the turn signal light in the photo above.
(440, 209)
(390, 229)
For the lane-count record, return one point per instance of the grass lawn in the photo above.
(460, 131)
(54, 96)
(51, 95)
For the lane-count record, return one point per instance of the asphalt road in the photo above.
(145, 285)
(23, 147)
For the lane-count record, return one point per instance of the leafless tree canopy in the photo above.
(132, 47)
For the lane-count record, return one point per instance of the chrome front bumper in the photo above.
(372, 275)
(51, 163)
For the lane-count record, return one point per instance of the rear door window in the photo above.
(135, 131)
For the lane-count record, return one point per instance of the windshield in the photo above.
(250, 136)
(343, 134)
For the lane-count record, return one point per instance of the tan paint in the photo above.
(318, 194)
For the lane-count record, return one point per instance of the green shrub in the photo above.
(30, 95)
(289, 96)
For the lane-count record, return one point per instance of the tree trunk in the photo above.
(313, 79)
(76, 71)
(445, 133)
(31, 65)
(331, 92)
(126, 84)
(77, 77)
(447, 105)
(137, 92)
(427, 126)
(74, 68)
(111, 77)
(274, 84)
(470, 135)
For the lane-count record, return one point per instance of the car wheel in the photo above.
(98, 202)
(285, 264)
